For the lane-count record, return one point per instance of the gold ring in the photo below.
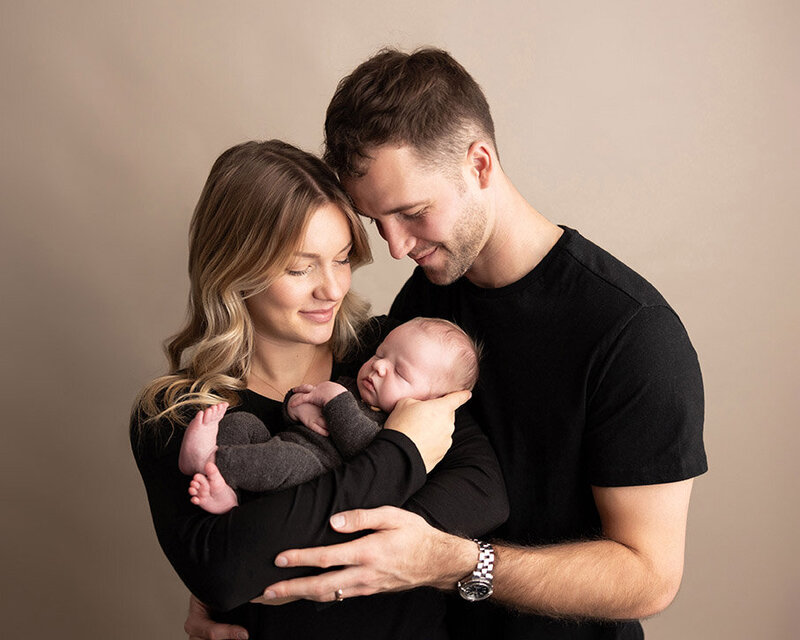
(339, 595)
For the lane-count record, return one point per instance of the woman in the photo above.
(272, 243)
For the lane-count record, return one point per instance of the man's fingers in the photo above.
(375, 519)
(345, 554)
(274, 602)
(335, 555)
(321, 588)
(455, 399)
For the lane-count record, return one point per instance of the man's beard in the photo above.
(465, 245)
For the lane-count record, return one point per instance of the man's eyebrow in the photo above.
(301, 254)
(406, 207)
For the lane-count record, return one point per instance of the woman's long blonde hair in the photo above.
(249, 221)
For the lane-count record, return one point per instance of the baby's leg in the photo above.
(210, 491)
(200, 440)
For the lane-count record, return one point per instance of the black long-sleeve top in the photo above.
(226, 560)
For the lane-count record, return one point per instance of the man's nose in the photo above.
(399, 241)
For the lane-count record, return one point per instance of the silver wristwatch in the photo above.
(478, 584)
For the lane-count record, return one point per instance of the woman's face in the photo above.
(302, 303)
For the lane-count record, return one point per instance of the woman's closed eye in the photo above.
(299, 270)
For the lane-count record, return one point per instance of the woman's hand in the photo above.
(200, 626)
(429, 424)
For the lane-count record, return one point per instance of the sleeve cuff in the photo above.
(407, 446)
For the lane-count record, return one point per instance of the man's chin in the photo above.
(441, 276)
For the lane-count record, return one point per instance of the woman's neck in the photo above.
(275, 368)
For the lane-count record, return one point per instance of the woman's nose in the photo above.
(332, 287)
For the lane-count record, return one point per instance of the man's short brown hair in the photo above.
(424, 99)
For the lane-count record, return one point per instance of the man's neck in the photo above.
(520, 238)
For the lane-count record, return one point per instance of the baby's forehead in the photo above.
(412, 334)
(422, 345)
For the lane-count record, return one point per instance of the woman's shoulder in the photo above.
(153, 429)
(157, 420)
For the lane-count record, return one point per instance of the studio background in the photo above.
(665, 132)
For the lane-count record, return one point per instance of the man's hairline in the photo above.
(449, 171)
(430, 158)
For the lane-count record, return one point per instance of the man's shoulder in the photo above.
(599, 273)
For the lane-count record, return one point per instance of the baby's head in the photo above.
(423, 358)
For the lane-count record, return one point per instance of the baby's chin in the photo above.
(365, 392)
(368, 396)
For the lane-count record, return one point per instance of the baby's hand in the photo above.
(319, 395)
(307, 401)
(310, 415)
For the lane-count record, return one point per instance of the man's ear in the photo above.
(481, 162)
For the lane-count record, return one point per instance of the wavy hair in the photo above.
(249, 221)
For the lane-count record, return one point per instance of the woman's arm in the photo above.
(226, 560)
(465, 493)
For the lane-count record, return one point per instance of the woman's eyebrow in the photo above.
(301, 254)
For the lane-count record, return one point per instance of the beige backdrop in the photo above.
(665, 131)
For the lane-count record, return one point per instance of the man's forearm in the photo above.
(599, 579)
(634, 572)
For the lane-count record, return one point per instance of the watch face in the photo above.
(474, 590)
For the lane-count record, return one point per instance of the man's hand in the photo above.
(403, 552)
(200, 626)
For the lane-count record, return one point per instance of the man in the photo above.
(590, 390)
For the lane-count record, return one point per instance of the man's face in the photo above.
(435, 219)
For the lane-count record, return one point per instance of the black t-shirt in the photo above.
(587, 378)
(228, 559)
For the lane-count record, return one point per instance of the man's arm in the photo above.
(634, 571)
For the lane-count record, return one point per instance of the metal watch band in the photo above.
(477, 585)
(485, 561)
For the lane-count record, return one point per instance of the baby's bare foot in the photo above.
(210, 491)
(200, 440)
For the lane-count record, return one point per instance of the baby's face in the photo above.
(409, 363)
